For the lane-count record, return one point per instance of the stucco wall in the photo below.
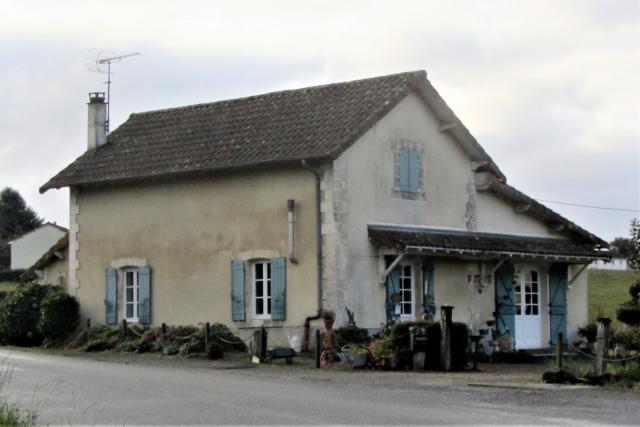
(577, 297)
(56, 272)
(189, 231)
(26, 250)
(494, 215)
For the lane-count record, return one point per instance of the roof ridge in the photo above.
(415, 74)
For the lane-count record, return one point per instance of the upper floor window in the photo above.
(409, 172)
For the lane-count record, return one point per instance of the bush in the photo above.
(628, 336)
(228, 340)
(215, 351)
(11, 275)
(589, 332)
(59, 314)
(20, 314)
(351, 335)
(459, 343)
(629, 313)
(400, 332)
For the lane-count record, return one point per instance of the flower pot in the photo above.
(359, 360)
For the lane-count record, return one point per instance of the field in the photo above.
(607, 290)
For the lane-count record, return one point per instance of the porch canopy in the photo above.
(412, 240)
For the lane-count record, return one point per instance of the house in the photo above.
(265, 210)
(28, 248)
(51, 268)
(618, 263)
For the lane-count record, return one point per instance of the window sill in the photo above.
(257, 323)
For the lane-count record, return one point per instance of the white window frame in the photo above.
(523, 286)
(266, 266)
(412, 315)
(136, 288)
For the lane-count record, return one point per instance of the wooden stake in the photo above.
(207, 331)
(559, 351)
(318, 348)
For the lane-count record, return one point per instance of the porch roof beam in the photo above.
(385, 273)
(478, 252)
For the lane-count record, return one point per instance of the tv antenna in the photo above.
(99, 61)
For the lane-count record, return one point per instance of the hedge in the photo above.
(11, 275)
(59, 314)
(20, 315)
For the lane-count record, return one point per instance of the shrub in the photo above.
(11, 275)
(628, 336)
(629, 313)
(228, 340)
(589, 332)
(351, 335)
(459, 343)
(20, 314)
(59, 314)
(400, 332)
(215, 351)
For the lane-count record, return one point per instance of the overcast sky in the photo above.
(551, 89)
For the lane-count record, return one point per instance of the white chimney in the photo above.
(97, 120)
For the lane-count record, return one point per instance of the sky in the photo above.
(550, 89)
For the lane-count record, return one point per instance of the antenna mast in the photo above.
(101, 61)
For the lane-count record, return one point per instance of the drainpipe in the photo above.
(317, 174)
(290, 207)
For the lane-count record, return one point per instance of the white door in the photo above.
(528, 319)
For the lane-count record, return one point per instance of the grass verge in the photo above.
(607, 290)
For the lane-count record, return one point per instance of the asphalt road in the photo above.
(79, 391)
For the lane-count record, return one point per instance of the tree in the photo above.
(622, 246)
(16, 218)
(634, 255)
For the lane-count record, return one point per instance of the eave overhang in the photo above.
(461, 244)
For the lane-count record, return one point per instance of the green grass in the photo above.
(8, 286)
(607, 290)
(10, 416)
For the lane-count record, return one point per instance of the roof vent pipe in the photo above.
(96, 120)
(290, 207)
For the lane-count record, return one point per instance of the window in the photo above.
(406, 291)
(131, 294)
(527, 294)
(409, 173)
(262, 289)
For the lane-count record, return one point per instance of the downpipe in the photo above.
(307, 322)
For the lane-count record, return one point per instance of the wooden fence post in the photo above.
(602, 344)
(164, 328)
(124, 328)
(207, 331)
(559, 350)
(88, 323)
(445, 341)
(318, 348)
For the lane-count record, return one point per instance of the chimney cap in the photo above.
(96, 98)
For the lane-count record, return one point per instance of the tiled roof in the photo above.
(311, 123)
(477, 243)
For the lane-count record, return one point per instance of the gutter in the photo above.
(317, 174)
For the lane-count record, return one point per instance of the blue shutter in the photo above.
(413, 171)
(405, 179)
(392, 286)
(558, 301)
(237, 290)
(429, 302)
(144, 295)
(110, 302)
(505, 300)
(278, 288)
